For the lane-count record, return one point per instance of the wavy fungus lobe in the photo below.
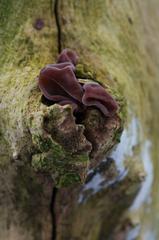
(59, 84)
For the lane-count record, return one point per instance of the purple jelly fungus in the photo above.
(58, 83)
(68, 55)
(38, 24)
(96, 95)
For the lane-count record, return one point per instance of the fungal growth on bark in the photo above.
(59, 84)
(76, 122)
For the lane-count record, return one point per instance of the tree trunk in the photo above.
(117, 42)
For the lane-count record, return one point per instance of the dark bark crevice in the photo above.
(56, 12)
(53, 214)
(55, 190)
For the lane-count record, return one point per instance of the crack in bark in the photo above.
(55, 190)
(56, 12)
(53, 213)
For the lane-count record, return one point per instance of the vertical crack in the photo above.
(53, 213)
(55, 9)
(56, 12)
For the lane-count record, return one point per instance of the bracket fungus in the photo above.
(59, 84)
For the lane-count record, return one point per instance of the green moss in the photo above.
(69, 179)
(81, 158)
(61, 165)
(43, 144)
(84, 71)
(47, 161)
(46, 143)
(117, 135)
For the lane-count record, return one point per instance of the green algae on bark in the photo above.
(59, 143)
(24, 50)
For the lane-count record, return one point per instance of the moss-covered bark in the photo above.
(25, 196)
(117, 44)
(118, 40)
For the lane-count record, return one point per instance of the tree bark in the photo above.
(117, 42)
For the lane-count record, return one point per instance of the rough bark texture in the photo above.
(117, 42)
(25, 198)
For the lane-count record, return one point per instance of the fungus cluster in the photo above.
(59, 84)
